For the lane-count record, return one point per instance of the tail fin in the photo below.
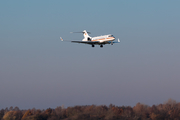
(85, 33)
(86, 36)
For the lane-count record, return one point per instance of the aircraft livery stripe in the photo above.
(104, 39)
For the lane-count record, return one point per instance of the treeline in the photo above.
(167, 111)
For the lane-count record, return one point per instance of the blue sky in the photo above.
(38, 70)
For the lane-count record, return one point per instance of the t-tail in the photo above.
(86, 36)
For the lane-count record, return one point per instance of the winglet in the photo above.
(118, 40)
(61, 38)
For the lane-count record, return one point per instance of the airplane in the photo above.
(99, 40)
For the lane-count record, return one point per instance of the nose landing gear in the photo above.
(92, 45)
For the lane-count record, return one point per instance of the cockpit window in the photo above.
(111, 36)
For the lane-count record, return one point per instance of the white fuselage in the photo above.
(102, 38)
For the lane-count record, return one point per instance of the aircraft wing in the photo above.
(97, 42)
(86, 42)
(112, 42)
(116, 41)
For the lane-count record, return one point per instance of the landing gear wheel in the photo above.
(92, 45)
(101, 46)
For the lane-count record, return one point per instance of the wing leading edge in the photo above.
(87, 42)
(96, 42)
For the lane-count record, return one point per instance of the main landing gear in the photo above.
(100, 46)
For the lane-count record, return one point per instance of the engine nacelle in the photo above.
(88, 39)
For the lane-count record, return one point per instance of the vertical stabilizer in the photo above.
(86, 36)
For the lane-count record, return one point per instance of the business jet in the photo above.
(99, 40)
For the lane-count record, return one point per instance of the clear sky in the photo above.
(38, 70)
